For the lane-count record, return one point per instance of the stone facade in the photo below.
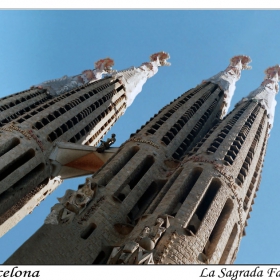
(179, 191)
(15, 105)
(128, 189)
(82, 116)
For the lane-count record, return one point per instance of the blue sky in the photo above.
(39, 45)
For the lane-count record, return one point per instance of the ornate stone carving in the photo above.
(72, 203)
(140, 250)
(131, 253)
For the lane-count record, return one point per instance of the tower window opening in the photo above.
(145, 200)
(204, 206)
(141, 171)
(166, 185)
(115, 167)
(221, 136)
(218, 229)
(135, 177)
(244, 131)
(88, 231)
(186, 116)
(16, 163)
(249, 157)
(9, 145)
(185, 190)
(182, 148)
(161, 121)
(229, 245)
(100, 259)
(17, 193)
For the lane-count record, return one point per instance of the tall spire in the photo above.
(135, 77)
(226, 79)
(265, 93)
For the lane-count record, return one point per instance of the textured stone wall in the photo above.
(15, 105)
(81, 115)
(126, 184)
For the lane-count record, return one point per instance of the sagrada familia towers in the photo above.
(178, 191)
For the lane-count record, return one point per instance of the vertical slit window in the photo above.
(229, 245)
(203, 206)
(218, 229)
(145, 200)
(134, 178)
(118, 165)
(222, 135)
(187, 115)
(185, 190)
(17, 163)
(242, 135)
(15, 195)
(88, 231)
(100, 259)
(8, 145)
(183, 147)
(163, 191)
(185, 97)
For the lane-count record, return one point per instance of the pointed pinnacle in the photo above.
(161, 57)
(243, 59)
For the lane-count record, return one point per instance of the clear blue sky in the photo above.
(39, 45)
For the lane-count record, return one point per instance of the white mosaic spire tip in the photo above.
(160, 58)
(241, 61)
(104, 65)
(266, 92)
(272, 76)
(134, 78)
(226, 79)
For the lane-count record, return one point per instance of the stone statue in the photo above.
(105, 145)
(72, 203)
(158, 230)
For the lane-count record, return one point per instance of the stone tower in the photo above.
(15, 105)
(81, 115)
(131, 204)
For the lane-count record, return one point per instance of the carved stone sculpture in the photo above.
(140, 250)
(72, 203)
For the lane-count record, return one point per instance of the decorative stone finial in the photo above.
(134, 78)
(241, 61)
(103, 66)
(161, 58)
(265, 93)
(226, 79)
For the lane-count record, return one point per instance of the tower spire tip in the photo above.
(161, 58)
(243, 60)
(272, 72)
(104, 64)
